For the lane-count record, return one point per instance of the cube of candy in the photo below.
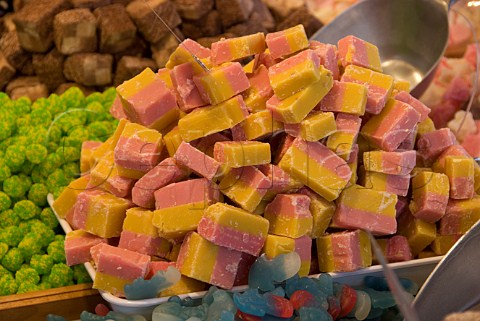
(139, 235)
(355, 51)
(289, 215)
(400, 85)
(246, 186)
(443, 243)
(117, 267)
(397, 249)
(460, 172)
(360, 207)
(172, 140)
(288, 41)
(426, 126)
(117, 109)
(183, 54)
(409, 141)
(207, 262)
(431, 145)
(147, 101)
(199, 122)
(242, 153)
(393, 163)
(180, 206)
(166, 172)
(188, 96)
(200, 163)
(317, 167)
(259, 91)
(460, 216)
(389, 129)
(344, 139)
(276, 245)
(296, 107)
(221, 83)
(415, 103)
(86, 155)
(66, 200)
(315, 126)
(166, 76)
(259, 125)
(395, 184)
(233, 49)
(328, 55)
(379, 86)
(77, 246)
(100, 213)
(138, 148)
(303, 246)
(233, 228)
(418, 232)
(345, 97)
(280, 181)
(430, 193)
(294, 73)
(344, 251)
(322, 212)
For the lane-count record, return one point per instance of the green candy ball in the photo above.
(72, 170)
(15, 156)
(100, 129)
(5, 172)
(11, 235)
(4, 271)
(93, 97)
(61, 275)
(36, 153)
(60, 238)
(38, 194)
(5, 201)
(73, 97)
(9, 218)
(26, 181)
(57, 178)
(46, 234)
(27, 275)
(13, 260)
(5, 130)
(80, 274)
(37, 175)
(57, 251)
(30, 245)
(44, 286)
(54, 133)
(48, 218)
(41, 263)
(95, 112)
(69, 154)
(41, 117)
(13, 186)
(8, 286)
(26, 209)
(57, 191)
(26, 287)
(56, 105)
(3, 250)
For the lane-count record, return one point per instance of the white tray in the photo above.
(415, 270)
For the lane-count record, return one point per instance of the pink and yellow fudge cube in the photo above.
(260, 90)
(418, 232)
(389, 129)
(242, 153)
(344, 251)
(315, 126)
(140, 235)
(431, 145)
(65, 202)
(117, 267)
(148, 101)
(245, 186)
(172, 140)
(289, 215)
(396, 184)
(397, 249)
(360, 207)
(280, 181)
(355, 51)
(286, 42)
(260, 125)
(392, 163)
(415, 103)
(116, 110)
(322, 212)
(234, 228)
(166, 172)
(197, 161)
(221, 83)
(345, 97)
(443, 243)
(344, 138)
(328, 55)
(409, 141)
(86, 155)
(317, 167)
(165, 75)
(226, 50)
(77, 246)
(460, 216)
(198, 123)
(204, 261)
(460, 172)
(183, 53)
(430, 192)
(379, 86)
(180, 206)
(296, 107)
(303, 247)
(295, 73)
(188, 96)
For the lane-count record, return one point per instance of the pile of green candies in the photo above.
(40, 146)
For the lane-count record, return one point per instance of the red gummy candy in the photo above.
(334, 308)
(101, 310)
(247, 317)
(348, 298)
(278, 306)
(302, 298)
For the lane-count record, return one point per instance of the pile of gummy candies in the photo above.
(275, 293)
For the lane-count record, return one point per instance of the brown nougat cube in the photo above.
(75, 31)
(117, 30)
(193, 9)
(6, 71)
(30, 87)
(49, 68)
(89, 69)
(233, 12)
(13, 52)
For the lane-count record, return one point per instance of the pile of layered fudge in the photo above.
(265, 145)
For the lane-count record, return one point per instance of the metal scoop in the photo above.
(411, 35)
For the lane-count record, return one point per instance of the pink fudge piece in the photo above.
(285, 207)
(393, 163)
(431, 207)
(345, 124)
(95, 251)
(415, 103)
(444, 112)
(156, 266)
(431, 145)
(166, 172)
(238, 133)
(259, 87)
(186, 192)
(81, 208)
(397, 249)
(398, 184)
(328, 55)
(117, 109)
(150, 104)
(77, 246)
(143, 243)
(122, 263)
(353, 154)
(359, 51)
(388, 135)
(266, 59)
(244, 266)
(280, 181)
(459, 216)
(402, 205)
(333, 101)
(196, 48)
(410, 140)
(303, 247)
(200, 163)
(347, 252)
(188, 96)
(278, 44)
(232, 49)
(134, 153)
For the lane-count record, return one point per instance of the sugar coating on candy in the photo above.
(5, 201)
(4, 171)
(60, 275)
(251, 302)
(36, 153)
(141, 289)
(29, 245)
(27, 275)
(11, 235)
(13, 260)
(41, 263)
(265, 273)
(56, 251)
(12, 186)
(26, 209)
(48, 218)
(15, 156)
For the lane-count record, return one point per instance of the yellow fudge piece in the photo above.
(106, 215)
(276, 245)
(86, 156)
(418, 232)
(249, 68)
(109, 145)
(129, 173)
(443, 243)
(242, 153)
(66, 200)
(425, 126)
(400, 85)
(139, 220)
(322, 213)
(199, 122)
(181, 55)
(110, 283)
(426, 254)
(260, 124)
(429, 182)
(460, 167)
(173, 254)
(296, 38)
(137, 83)
(164, 75)
(317, 125)
(172, 140)
(295, 108)
(239, 47)
(184, 286)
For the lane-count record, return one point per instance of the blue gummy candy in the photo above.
(313, 314)
(307, 284)
(278, 291)
(141, 289)
(199, 311)
(381, 299)
(222, 302)
(54, 317)
(250, 302)
(227, 316)
(381, 284)
(168, 311)
(325, 283)
(208, 297)
(265, 273)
